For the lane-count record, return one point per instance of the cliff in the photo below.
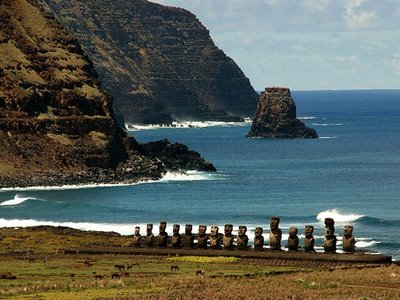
(159, 63)
(276, 117)
(56, 123)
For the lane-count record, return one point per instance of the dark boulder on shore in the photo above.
(276, 117)
(177, 156)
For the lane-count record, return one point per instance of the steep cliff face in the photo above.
(56, 123)
(276, 117)
(158, 62)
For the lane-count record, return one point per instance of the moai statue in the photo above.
(136, 237)
(293, 240)
(275, 234)
(215, 238)
(148, 239)
(242, 239)
(176, 240)
(228, 237)
(330, 238)
(162, 238)
(309, 240)
(188, 237)
(349, 242)
(202, 237)
(258, 239)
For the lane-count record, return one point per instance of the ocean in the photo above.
(351, 173)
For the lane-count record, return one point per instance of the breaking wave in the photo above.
(18, 200)
(327, 124)
(189, 176)
(187, 124)
(168, 177)
(306, 118)
(338, 216)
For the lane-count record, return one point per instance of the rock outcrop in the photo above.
(276, 117)
(56, 123)
(159, 63)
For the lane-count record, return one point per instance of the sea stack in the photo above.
(276, 116)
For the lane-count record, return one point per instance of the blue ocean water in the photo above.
(352, 173)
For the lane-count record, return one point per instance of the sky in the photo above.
(307, 44)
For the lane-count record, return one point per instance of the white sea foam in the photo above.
(338, 216)
(168, 177)
(366, 244)
(327, 137)
(86, 226)
(327, 124)
(72, 187)
(18, 200)
(187, 124)
(306, 118)
(189, 176)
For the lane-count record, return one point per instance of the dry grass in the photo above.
(151, 278)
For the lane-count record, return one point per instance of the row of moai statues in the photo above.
(216, 240)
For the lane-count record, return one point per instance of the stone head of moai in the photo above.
(242, 230)
(228, 237)
(176, 239)
(242, 239)
(274, 224)
(137, 230)
(329, 222)
(348, 231)
(329, 232)
(309, 239)
(293, 232)
(188, 229)
(258, 239)
(258, 231)
(330, 238)
(202, 229)
(228, 229)
(293, 240)
(214, 230)
(308, 231)
(275, 234)
(162, 238)
(349, 242)
(202, 237)
(175, 229)
(149, 229)
(162, 227)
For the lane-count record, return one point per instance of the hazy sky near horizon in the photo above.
(307, 44)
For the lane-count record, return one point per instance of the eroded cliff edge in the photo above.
(56, 123)
(159, 63)
(276, 116)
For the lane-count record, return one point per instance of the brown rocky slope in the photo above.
(56, 123)
(159, 63)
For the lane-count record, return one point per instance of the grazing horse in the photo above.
(119, 267)
(115, 276)
(175, 268)
(200, 273)
(87, 263)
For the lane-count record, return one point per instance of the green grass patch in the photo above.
(204, 259)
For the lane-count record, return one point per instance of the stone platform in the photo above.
(339, 258)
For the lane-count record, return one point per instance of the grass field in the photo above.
(43, 272)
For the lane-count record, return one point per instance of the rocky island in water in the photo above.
(276, 116)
